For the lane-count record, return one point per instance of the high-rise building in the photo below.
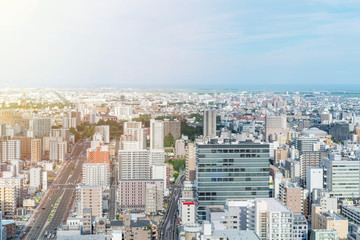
(310, 159)
(342, 176)
(89, 197)
(230, 171)
(275, 125)
(62, 148)
(173, 128)
(157, 157)
(131, 194)
(54, 151)
(42, 127)
(36, 178)
(154, 199)
(156, 134)
(291, 195)
(36, 150)
(209, 126)
(11, 150)
(190, 162)
(8, 200)
(180, 148)
(18, 183)
(96, 174)
(99, 155)
(25, 144)
(314, 178)
(133, 131)
(160, 172)
(134, 164)
(305, 144)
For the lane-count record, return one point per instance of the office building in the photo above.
(230, 171)
(342, 176)
(62, 150)
(351, 212)
(209, 124)
(96, 174)
(156, 134)
(324, 234)
(305, 144)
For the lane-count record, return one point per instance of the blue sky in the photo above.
(179, 44)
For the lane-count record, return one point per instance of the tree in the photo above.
(179, 164)
(169, 140)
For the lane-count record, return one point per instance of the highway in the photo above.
(63, 189)
(168, 228)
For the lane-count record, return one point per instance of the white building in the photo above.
(105, 131)
(156, 134)
(96, 174)
(44, 181)
(209, 129)
(10, 150)
(54, 151)
(187, 211)
(36, 178)
(157, 157)
(342, 176)
(134, 164)
(160, 172)
(314, 178)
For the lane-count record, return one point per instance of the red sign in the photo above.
(188, 203)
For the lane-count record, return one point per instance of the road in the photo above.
(167, 230)
(63, 189)
(113, 184)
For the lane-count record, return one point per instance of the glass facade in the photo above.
(230, 171)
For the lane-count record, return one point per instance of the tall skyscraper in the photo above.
(156, 134)
(209, 128)
(230, 171)
(36, 150)
(42, 127)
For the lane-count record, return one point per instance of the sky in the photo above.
(179, 43)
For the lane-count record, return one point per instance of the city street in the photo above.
(64, 189)
(168, 228)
